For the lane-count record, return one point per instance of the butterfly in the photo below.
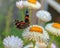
(23, 24)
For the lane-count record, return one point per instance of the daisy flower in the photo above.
(32, 4)
(44, 16)
(19, 4)
(35, 33)
(12, 42)
(53, 28)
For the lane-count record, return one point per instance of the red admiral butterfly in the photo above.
(23, 24)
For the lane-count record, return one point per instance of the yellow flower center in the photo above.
(36, 29)
(56, 25)
(32, 1)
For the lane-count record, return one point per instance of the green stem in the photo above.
(52, 39)
(30, 16)
(22, 15)
(34, 44)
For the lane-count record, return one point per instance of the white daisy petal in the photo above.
(12, 42)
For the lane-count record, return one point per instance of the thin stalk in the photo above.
(41, 23)
(30, 16)
(34, 44)
(22, 15)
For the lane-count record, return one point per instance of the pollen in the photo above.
(32, 1)
(56, 25)
(36, 29)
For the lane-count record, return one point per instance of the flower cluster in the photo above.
(35, 33)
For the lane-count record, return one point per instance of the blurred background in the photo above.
(9, 12)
